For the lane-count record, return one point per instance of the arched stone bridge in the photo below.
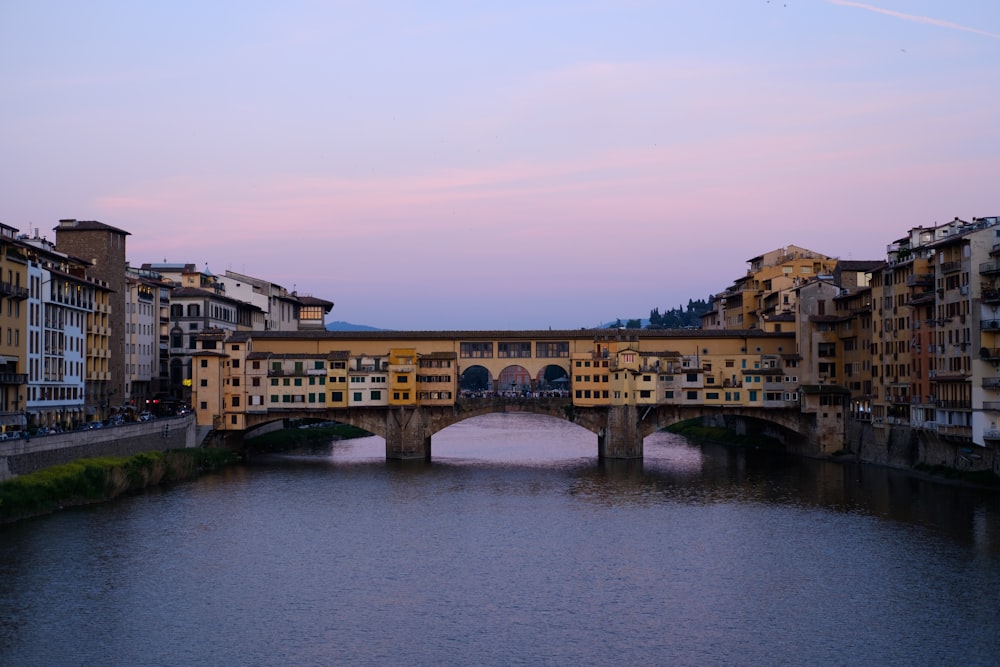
(620, 430)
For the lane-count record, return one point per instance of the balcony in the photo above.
(987, 268)
(923, 279)
(992, 434)
(920, 298)
(993, 406)
(954, 405)
(13, 378)
(991, 383)
(990, 295)
(951, 267)
(285, 373)
(951, 430)
(12, 291)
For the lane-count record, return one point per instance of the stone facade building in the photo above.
(103, 246)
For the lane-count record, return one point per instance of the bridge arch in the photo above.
(620, 429)
(476, 378)
(552, 377)
(514, 379)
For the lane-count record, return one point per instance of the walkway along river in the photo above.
(514, 546)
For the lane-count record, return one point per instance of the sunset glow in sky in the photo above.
(499, 165)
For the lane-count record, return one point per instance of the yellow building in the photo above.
(13, 331)
(437, 378)
(854, 308)
(100, 399)
(337, 378)
(591, 373)
(402, 376)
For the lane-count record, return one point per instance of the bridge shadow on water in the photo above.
(501, 450)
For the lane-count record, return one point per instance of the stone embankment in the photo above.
(899, 446)
(26, 455)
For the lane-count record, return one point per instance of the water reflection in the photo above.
(514, 545)
(674, 470)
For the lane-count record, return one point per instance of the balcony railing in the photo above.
(921, 279)
(13, 291)
(954, 431)
(954, 405)
(988, 267)
(920, 298)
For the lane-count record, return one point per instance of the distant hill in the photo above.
(347, 326)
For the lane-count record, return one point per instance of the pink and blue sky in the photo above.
(499, 165)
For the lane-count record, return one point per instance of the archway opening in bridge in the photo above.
(514, 438)
(740, 431)
(553, 378)
(514, 381)
(475, 379)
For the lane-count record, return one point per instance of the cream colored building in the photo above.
(765, 297)
(66, 349)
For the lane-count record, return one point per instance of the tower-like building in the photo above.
(103, 246)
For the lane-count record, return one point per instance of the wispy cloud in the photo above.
(917, 19)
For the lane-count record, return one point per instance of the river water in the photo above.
(515, 546)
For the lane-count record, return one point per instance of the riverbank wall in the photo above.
(900, 446)
(26, 455)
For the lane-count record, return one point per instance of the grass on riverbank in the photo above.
(316, 437)
(700, 433)
(98, 479)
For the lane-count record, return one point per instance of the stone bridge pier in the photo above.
(621, 437)
(407, 434)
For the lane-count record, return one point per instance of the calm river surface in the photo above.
(515, 546)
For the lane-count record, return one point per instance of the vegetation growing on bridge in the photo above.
(697, 432)
(95, 480)
(307, 437)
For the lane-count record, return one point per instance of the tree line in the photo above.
(675, 318)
